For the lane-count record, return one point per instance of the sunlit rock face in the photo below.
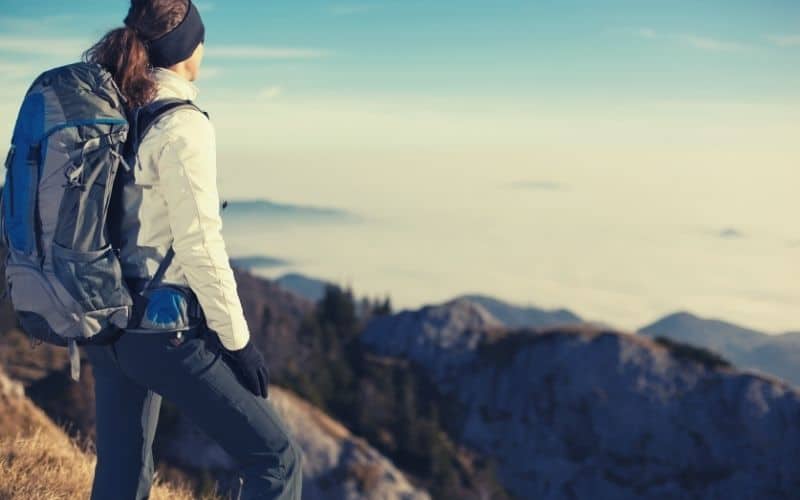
(584, 412)
(336, 464)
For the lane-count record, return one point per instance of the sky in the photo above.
(468, 73)
(657, 118)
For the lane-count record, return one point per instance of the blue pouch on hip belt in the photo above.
(163, 307)
(166, 308)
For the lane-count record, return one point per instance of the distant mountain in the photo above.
(257, 261)
(274, 314)
(721, 336)
(312, 289)
(584, 412)
(518, 316)
(778, 355)
(266, 208)
(305, 286)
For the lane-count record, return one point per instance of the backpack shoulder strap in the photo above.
(162, 268)
(144, 118)
(148, 115)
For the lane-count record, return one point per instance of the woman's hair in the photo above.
(123, 51)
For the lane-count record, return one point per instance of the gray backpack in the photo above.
(62, 271)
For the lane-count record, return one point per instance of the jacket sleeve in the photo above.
(187, 174)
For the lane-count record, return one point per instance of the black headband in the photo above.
(179, 44)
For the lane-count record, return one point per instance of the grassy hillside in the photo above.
(38, 460)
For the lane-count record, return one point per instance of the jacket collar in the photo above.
(171, 84)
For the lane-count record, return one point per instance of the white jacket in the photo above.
(175, 201)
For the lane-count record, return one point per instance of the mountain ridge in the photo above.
(588, 412)
(778, 354)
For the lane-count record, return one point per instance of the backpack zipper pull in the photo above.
(122, 160)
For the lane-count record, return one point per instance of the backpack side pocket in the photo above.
(94, 280)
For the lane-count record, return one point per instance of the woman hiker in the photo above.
(171, 227)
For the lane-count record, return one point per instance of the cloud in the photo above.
(74, 47)
(15, 70)
(785, 40)
(261, 52)
(700, 42)
(647, 33)
(205, 6)
(537, 185)
(271, 92)
(345, 10)
(730, 233)
(37, 23)
(26, 45)
(208, 72)
(711, 44)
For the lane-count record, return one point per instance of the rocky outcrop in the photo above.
(18, 416)
(441, 337)
(517, 316)
(336, 464)
(10, 388)
(583, 412)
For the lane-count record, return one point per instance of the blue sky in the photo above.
(663, 124)
(479, 49)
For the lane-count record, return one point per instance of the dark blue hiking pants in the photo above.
(134, 372)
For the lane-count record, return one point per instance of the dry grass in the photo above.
(48, 466)
(39, 461)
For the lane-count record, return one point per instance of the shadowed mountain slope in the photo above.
(584, 412)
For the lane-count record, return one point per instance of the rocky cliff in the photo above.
(337, 465)
(584, 412)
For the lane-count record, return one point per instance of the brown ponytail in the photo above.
(123, 51)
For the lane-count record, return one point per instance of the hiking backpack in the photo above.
(69, 144)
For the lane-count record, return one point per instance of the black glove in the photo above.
(249, 363)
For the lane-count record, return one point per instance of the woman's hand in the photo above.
(250, 365)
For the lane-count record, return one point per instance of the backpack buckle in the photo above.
(74, 175)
